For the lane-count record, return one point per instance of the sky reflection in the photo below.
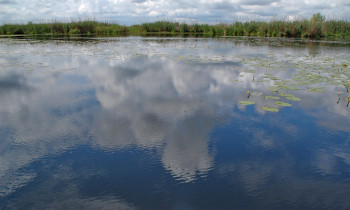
(165, 114)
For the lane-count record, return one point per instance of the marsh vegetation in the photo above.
(317, 27)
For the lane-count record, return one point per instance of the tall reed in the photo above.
(316, 28)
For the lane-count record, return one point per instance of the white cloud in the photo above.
(85, 8)
(138, 11)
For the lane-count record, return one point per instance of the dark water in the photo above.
(155, 123)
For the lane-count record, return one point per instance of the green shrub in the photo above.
(75, 31)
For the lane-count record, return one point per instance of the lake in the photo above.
(174, 123)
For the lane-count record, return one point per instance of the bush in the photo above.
(75, 31)
(315, 28)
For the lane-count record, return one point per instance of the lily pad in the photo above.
(249, 71)
(282, 104)
(246, 102)
(285, 94)
(272, 97)
(288, 87)
(292, 98)
(270, 109)
(272, 78)
(316, 90)
(273, 89)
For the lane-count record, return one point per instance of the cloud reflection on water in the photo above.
(159, 104)
(153, 102)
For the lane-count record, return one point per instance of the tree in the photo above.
(316, 22)
(317, 18)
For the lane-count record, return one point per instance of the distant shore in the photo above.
(314, 28)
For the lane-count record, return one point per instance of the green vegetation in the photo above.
(315, 28)
(270, 109)
(283, 104)
(78, 27)
(246, 102)
(272, 97)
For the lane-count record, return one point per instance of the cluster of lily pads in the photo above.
(277, 103)
(279, 79)
(291, 75)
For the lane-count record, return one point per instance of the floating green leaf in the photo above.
(270, 109)
(272, 97)
(287, 87)
(293, 98)
(285, 94)
(272, 78)
(273, 89)
(246, 102)
(316, 90)
(282, 104)
(249, 71)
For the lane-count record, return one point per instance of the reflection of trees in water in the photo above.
(313, 48)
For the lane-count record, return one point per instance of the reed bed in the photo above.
(315, 28)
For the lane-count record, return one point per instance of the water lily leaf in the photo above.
(293, 98)
(285, 87)
(285, 94)
(270, 109)
(272, 78)
(249, 71)
(282, 104)
(246, 102)
(281, 83)
(316, 90)
(273, 89)
(272, 97)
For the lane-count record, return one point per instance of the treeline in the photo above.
(317, 27)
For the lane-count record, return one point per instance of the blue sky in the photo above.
(139, 11)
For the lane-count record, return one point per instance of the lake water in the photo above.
(162, 123)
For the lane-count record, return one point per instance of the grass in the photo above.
(315, 28)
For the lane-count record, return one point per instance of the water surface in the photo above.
(156, 123)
